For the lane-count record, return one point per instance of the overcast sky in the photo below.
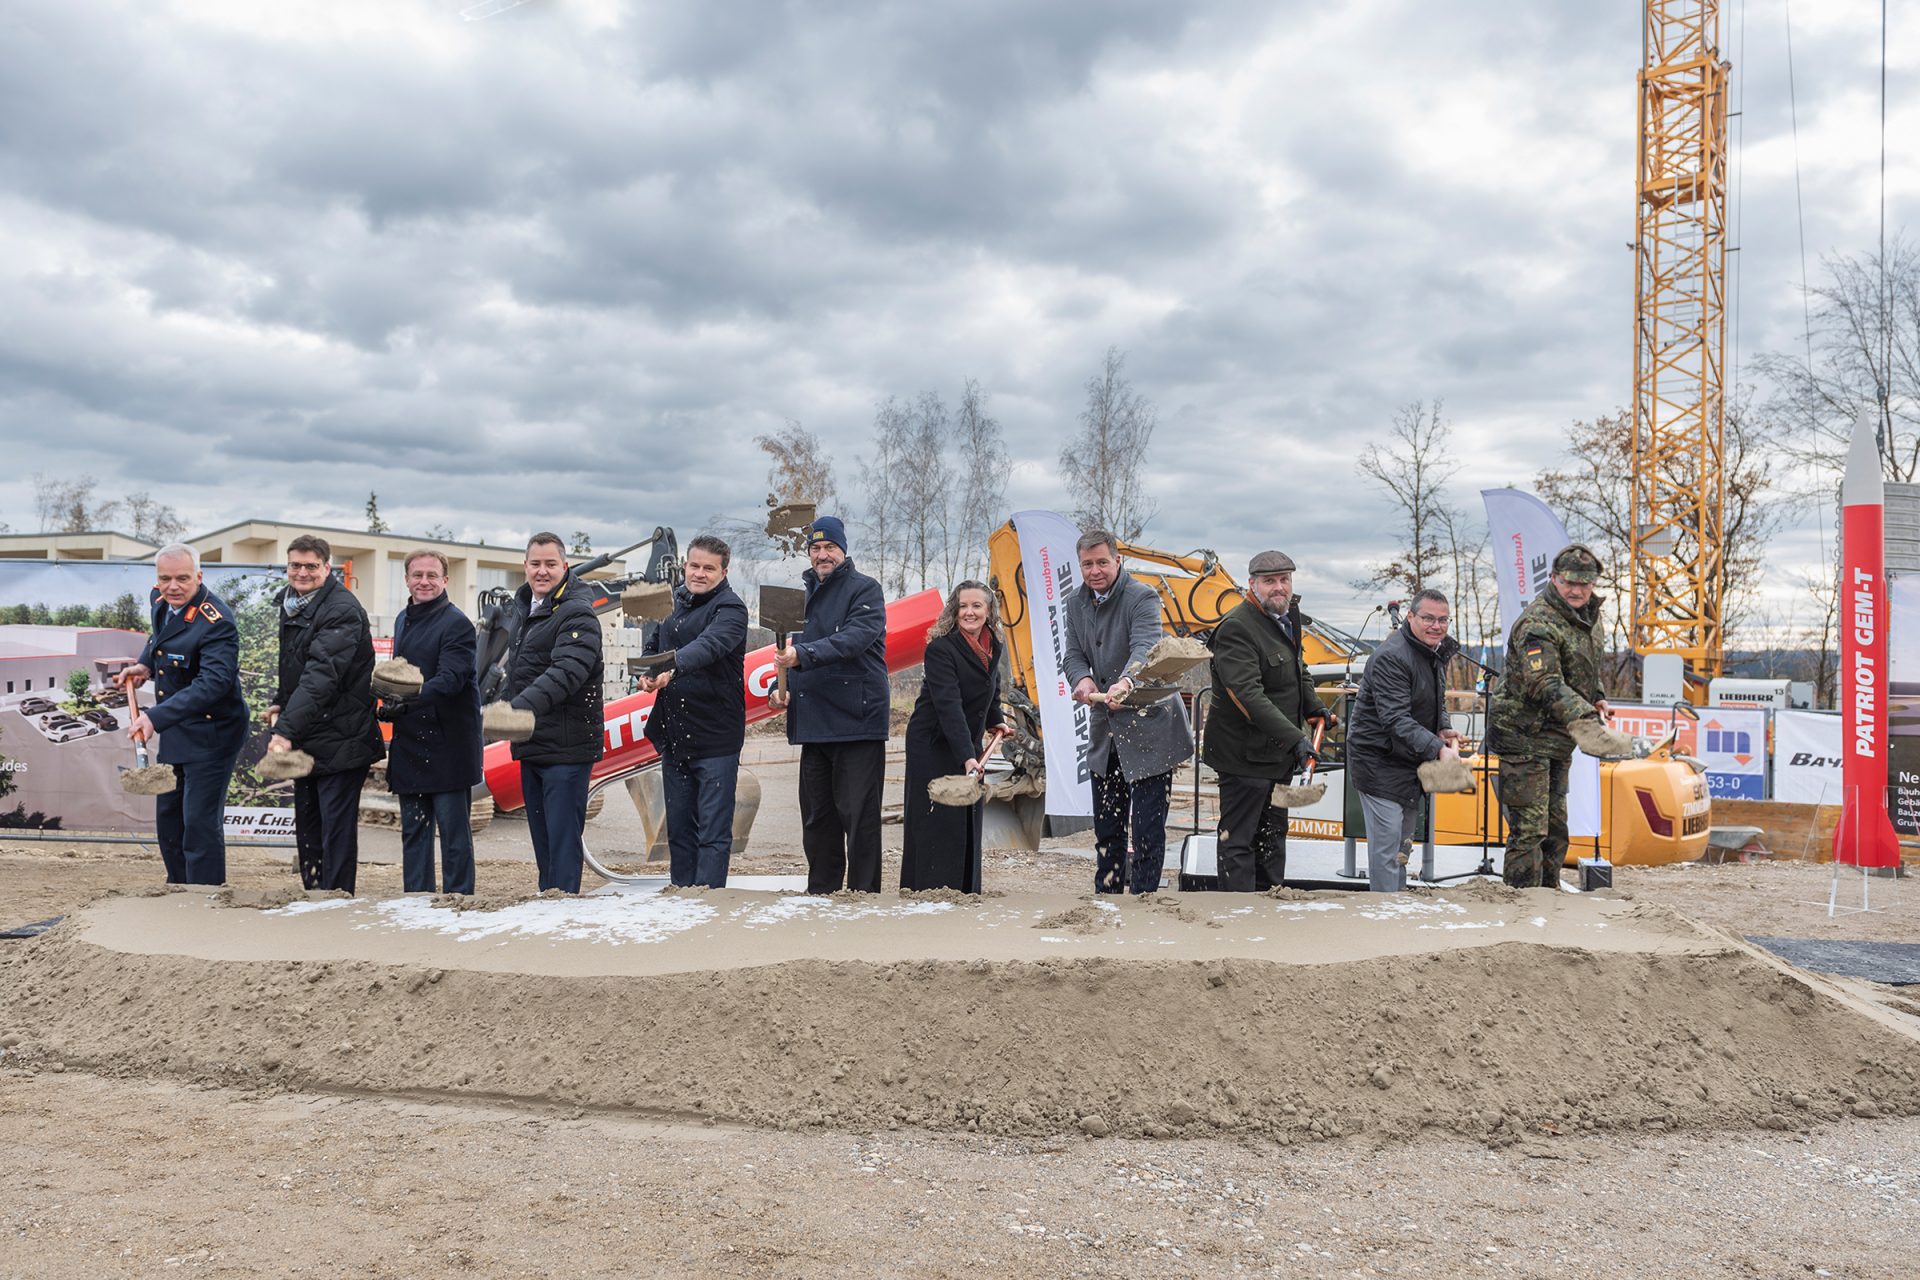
(558, 267)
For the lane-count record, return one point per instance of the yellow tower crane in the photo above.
(1679, 381)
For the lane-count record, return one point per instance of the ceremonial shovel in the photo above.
(1286, 795)
(962, 790)
(145, 779)
(783, 610)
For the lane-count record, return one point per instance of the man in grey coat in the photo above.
(1112, 620)
(1399, 723)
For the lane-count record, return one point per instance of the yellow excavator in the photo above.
(1655, 809)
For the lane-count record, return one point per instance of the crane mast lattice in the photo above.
(1680, 336)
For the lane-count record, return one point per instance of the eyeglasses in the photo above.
(1430, 620)
(295, 566)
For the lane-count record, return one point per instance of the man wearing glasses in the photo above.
(1400, 723)
(323, 706)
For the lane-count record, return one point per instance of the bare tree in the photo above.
(801, 470)
(1593, 491)
(374, 523)
(925, 517)
(68, 506)
(1106, 463)
(983, 467)
(1413, 470)
(1859, 346)
(152, 520)
(1476, 590)
(884, 484)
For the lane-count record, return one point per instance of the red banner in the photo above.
(1865, 836)
(625, 720)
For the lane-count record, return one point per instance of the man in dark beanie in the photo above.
(837, 713)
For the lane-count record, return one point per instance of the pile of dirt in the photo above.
(1497, 1041)
(1087, 918)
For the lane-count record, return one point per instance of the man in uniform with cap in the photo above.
(1552, 682)
(193, 659)
(838, 714)
(1263, 698)
(1135, 742)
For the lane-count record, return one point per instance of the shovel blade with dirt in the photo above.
(964, 790)
(147, 778)
(647, 601)
(1299, 795)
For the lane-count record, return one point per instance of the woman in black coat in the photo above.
(959, 702)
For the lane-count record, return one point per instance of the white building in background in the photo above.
(373, 565)
(35, 661)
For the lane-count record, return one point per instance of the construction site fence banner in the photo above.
(1903, 702)
(1525, 535)
(1052, 570)
(1730, 741)
(67, 628)
(1806, 757)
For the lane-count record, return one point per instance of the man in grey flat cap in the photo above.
(1256, 733)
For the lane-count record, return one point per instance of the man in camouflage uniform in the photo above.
(1552, 680)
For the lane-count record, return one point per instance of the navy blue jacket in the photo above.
(839, 689)
(436, 738)
(194, 660)
(553, 670)
(702, 712)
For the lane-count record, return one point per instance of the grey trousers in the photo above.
(1390, 824)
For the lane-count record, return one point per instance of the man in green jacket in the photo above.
(1263, 697)
(1552, 681)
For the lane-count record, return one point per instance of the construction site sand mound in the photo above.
(1169, 1016)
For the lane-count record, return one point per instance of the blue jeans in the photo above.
(419, 815)
(699, 817)
(556, 796)
(1116, 868)
(190, 823)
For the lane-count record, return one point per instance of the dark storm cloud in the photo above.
(551, 270)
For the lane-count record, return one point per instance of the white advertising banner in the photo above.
(1524, 534)
(1052, 571)
(1806, 757)
(1583, 796)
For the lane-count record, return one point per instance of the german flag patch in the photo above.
(1536, 657)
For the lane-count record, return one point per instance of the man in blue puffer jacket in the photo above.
(838, 715)
(699, 718)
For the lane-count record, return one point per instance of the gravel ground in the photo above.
(132, 1177)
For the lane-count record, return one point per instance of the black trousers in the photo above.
(1253, 836)
(326, 827)
(840, 814)
(1117, 866)
(190, 823)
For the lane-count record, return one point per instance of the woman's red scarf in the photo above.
(982, 646)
